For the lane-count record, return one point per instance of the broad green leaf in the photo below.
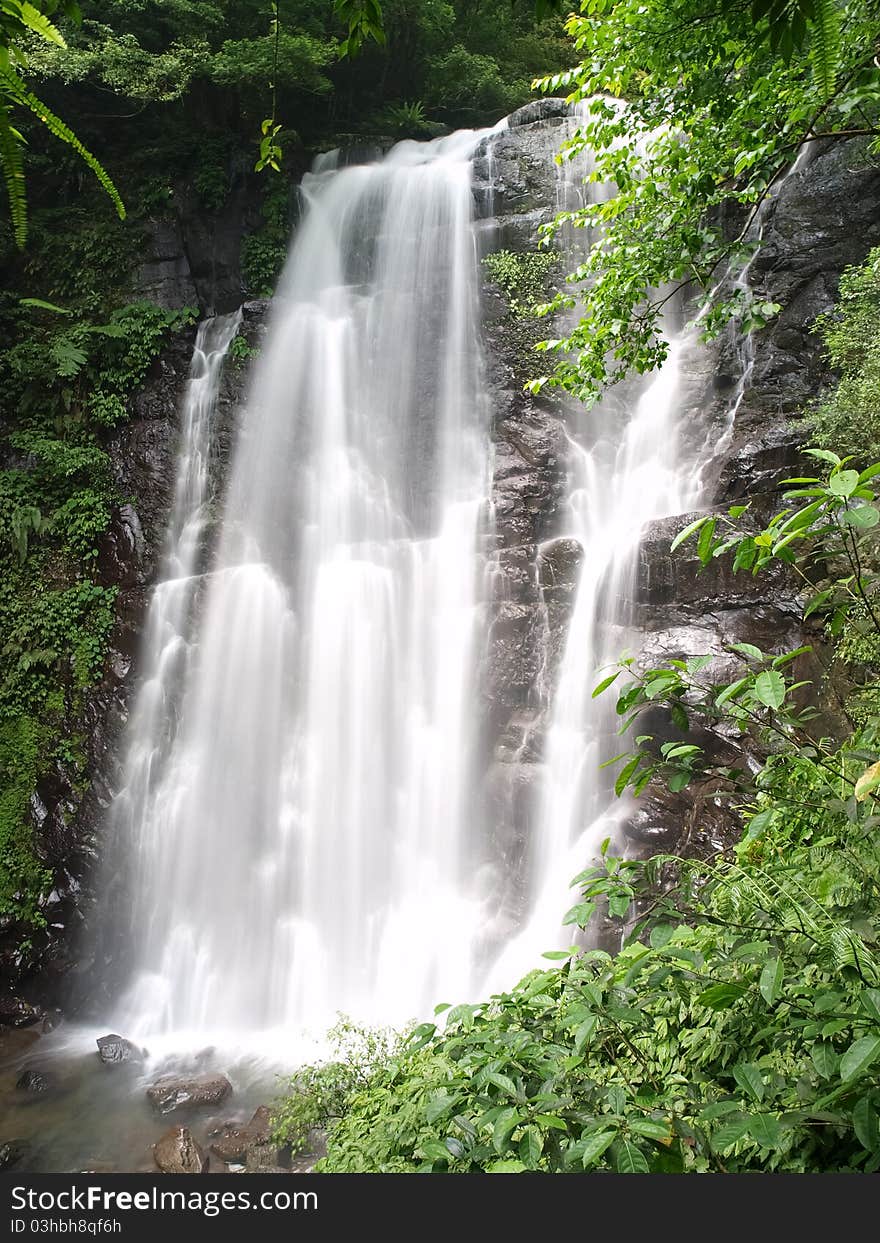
(594, 1146)
(433, 1150)
(765, 1129)
(863, 516)
(729, 1134)
(651, 1129)
(504, 1082)
(771, 981)
(661, 935)
(750, 1079)
(721, 996)
(748, 649)
(506, 1167)
(865, 1124)
(531, 1146)
(770, 689)
(844, 482)
(628, 1157)
(556, 1124)
(506, 1121)
(825, 1059)
(859, 1057)
(585, 1032)
(439, 1105)
(869, 1000)
(688, 531)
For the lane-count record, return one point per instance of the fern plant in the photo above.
(18, 20)
(790, 22)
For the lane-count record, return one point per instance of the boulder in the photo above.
(113, 1050)
(249, 1144)
(176, 1152)
(173, 1092)
(37, 1082)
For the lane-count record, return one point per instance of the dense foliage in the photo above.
(738, 1029)
(64, 382)
(684, 208)
(846, 420)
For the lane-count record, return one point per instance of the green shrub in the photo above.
(847, 420)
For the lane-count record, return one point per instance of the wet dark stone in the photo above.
(177, 1152)
(233, 1141)
(114, 1050)
(11, 1152)
(37, 1082)
(174, 1092)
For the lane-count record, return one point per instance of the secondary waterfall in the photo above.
(626, 466)
(307, 842)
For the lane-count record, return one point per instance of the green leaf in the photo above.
(748, 649)
(865, 1124)
(585, 1032)
(771, 981)
(506, 1167)
(729, 1134)
(844, 483)
(869, 1000)
(605, 683)
(750, 1079)
(594, 1146)
(721, 996)
(825, 1059)
(661, 935)
(689, 530)
(531, 1146)
(628, 1157)
(770, 689)
(765, 1129)
(438, 1106)
(506, 1122)
(863, 516)
(432, 1150)
(504, 1082)
(651, 1129)
(859, 1057)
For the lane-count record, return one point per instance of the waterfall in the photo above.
(306, 841)
(304, 781)
(626, 466)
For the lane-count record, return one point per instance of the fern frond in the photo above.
(39, 23)
(825, 45)
(19, 92)
(13, 176)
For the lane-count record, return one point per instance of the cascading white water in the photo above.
(168, 636)
(302, 780)
(626, 467)
(306, 845)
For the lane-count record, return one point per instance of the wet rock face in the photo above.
(826, 217)
(174, 1092)
(178, 1153)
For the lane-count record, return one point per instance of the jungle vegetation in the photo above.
(738, 1027)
